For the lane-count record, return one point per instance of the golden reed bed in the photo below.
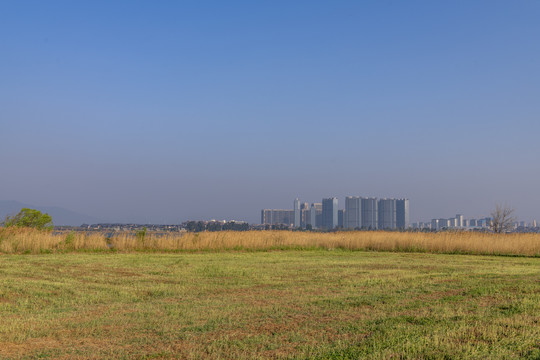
(20, 241)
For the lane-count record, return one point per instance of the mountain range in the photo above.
(60, 216)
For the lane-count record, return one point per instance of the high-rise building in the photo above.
(434, 224)
(277, 217)
(330, 213)
(444, 224)
(370, 213)
(304, 214)
(402, 213)
(296, 208)
(459, 219)
(315, 214)
(353, 212)
(340, 215)
(266, 216)
(318, 210)
(387, 214)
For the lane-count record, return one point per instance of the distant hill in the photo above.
(59, 215)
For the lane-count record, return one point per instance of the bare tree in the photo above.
(502, 220)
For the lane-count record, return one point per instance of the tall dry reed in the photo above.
(13, 241)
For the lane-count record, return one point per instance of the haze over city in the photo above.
(160, 113)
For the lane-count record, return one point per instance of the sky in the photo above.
(144, 111)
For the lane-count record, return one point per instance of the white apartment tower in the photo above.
(296, 208)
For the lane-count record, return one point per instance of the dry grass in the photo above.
(17, 241)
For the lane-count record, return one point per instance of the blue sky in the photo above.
(168, 111)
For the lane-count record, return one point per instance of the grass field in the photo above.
(278, 304)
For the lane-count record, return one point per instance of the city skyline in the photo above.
(371, 213)
(358, 213)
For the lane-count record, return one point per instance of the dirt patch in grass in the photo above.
(437, 295)
(10, 349)
(487, 301)
(257, 296)
(446, 281)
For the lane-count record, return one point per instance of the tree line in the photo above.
(198, 226)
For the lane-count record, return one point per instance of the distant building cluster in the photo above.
(200, 225)
(122, 227)
(359, 213)
(460, 223)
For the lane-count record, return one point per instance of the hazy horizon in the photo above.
(165, 112)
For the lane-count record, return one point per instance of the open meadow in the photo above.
(301, 304)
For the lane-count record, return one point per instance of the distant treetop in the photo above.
(30, 218)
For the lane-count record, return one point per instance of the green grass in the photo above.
(281, 304)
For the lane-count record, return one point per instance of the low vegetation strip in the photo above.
(18, 241)
(315, 304)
